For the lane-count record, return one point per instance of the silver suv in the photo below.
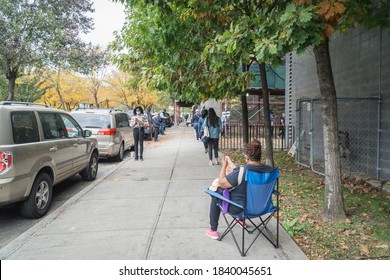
(110, 127)
(40, 147)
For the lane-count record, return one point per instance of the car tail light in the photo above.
(107, 131)
(5, 161)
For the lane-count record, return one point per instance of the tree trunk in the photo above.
(11, 87)
(95, 97)
(245, 114)
(94, 89)
(11, 76)
(269, 158)
(58, 88)
(334, 201)
(245, 122)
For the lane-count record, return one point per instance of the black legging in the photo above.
(138, 138)
(215, 211)
(213, 145)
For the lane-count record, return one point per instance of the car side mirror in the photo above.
(87, 133)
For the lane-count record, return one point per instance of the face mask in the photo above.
(138, 112)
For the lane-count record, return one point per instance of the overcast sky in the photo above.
(108, 17)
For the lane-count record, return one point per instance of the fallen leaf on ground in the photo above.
(350, 232)
(364, 249)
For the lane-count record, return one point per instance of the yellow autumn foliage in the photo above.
(115, 91)
(121, 93)
(71, 88)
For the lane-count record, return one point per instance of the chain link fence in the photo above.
(232, 136)
(359, 134)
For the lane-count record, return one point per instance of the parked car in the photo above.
(169, 121)
(149, 130)
(110, 127)
(40, 147)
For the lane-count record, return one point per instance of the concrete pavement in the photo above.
(149, 210)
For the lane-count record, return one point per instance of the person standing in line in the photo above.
(186, 118)
(213, 122)
(282, 125)
(156, 127)
(195, 123)
(163, 117)
(139, 121)
(201, 128)
(272, 119)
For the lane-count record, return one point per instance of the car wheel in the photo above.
(121, 153)
(90, 172)
(39, 200)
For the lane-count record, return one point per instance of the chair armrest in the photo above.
(221, 197)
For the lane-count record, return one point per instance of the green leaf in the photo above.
(285, 17)
(272, 49)
(293, 222)
(305, 17)
(291, 8)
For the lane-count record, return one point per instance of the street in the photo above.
(12, 224)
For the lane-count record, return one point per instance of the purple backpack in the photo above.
(226, 192)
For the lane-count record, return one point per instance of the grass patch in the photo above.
(365, 234)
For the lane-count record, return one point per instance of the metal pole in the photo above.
(378, 145)
(378, 164)
(298, 141)
(311, 136)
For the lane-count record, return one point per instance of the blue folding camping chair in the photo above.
(261, 189)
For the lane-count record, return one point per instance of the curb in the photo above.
(22, 239)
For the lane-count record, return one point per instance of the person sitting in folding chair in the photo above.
(246, 199)
(252, 153)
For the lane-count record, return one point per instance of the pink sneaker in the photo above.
(211, 233)
(241, 223)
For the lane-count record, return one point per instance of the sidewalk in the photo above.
(150, 210)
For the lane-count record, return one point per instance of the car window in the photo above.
(122, 120)
(92, 120)
(24, 127)
(148, 116)
(72, 128)
(52, 125)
